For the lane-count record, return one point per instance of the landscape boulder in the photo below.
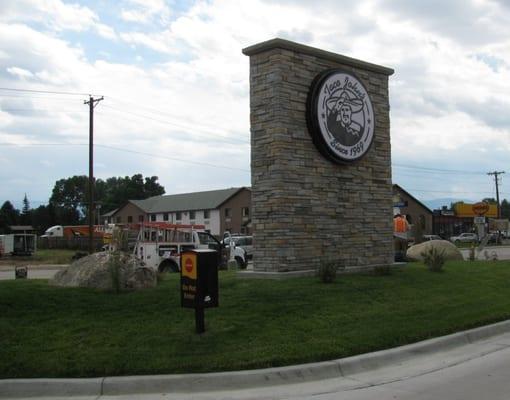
(451, 252)
(98, 271)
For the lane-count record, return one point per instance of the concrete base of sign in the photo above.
(251, 274)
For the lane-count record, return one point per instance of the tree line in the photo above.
(68, 204)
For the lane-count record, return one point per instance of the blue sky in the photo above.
(176, 88)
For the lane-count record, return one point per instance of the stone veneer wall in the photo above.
(306, 209)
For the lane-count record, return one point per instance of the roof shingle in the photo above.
(187, 201)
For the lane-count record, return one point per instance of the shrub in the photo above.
(327, 271)
(472, 252)
(434, 259)
(114, 267)
(118, 242)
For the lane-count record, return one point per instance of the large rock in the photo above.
(96, 271)
(451, 251)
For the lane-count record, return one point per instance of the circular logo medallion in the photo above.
(340, 116)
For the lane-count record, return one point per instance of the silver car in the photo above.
(465, 238)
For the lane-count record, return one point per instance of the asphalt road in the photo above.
(486, 378)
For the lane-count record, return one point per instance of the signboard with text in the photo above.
(199, 278)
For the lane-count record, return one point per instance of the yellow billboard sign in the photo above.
(475, 210)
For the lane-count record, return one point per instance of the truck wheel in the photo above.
(240, 263)
(168, 266)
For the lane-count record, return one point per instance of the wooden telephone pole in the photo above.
(496, 173)
(92, 103)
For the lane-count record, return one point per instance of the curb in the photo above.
(236, 380)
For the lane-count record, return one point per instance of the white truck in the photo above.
(240, 248)
(17, 244)
(159, 245)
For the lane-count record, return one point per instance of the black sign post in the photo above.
(199, 283)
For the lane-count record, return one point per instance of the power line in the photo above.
(23, 96)
(445, 191)
(166, 121)
(178, 125)
(454, 171)
(41, 144)
(155, 111)
(39, 109)
(126, 151)
(44, 91)
(172, 158)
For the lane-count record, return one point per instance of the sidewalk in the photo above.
(332, 376)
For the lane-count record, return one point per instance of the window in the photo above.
(153, 217)
(207, 214)
(165, 217)
(118, 220)
(140, 218)
(178, 216)
(246, 212)
(227, 213)
(130, 219)
(192, 215)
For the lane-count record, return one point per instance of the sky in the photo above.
(176, 88)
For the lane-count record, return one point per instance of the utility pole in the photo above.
(496, 173)
(92, 103)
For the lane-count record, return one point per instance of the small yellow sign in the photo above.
(189, 265)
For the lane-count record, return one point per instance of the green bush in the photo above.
(115, 272)
(434, 259)
(327, 271)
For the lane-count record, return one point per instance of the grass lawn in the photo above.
(41, 256)
(60, 332)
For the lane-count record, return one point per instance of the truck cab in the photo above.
(54, 231)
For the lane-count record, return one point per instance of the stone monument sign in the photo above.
(320, 159)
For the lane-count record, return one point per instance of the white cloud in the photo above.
(449, 94)
(49, 59)
(146, 11)
(55, 15)
(20, 72)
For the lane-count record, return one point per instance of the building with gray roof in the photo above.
(219, 210)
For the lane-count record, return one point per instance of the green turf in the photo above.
(59, 332)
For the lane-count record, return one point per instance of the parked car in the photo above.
(243, 248)
(494, 238)
(465, 238)
(431, 237)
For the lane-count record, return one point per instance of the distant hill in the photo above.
(435, 204)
